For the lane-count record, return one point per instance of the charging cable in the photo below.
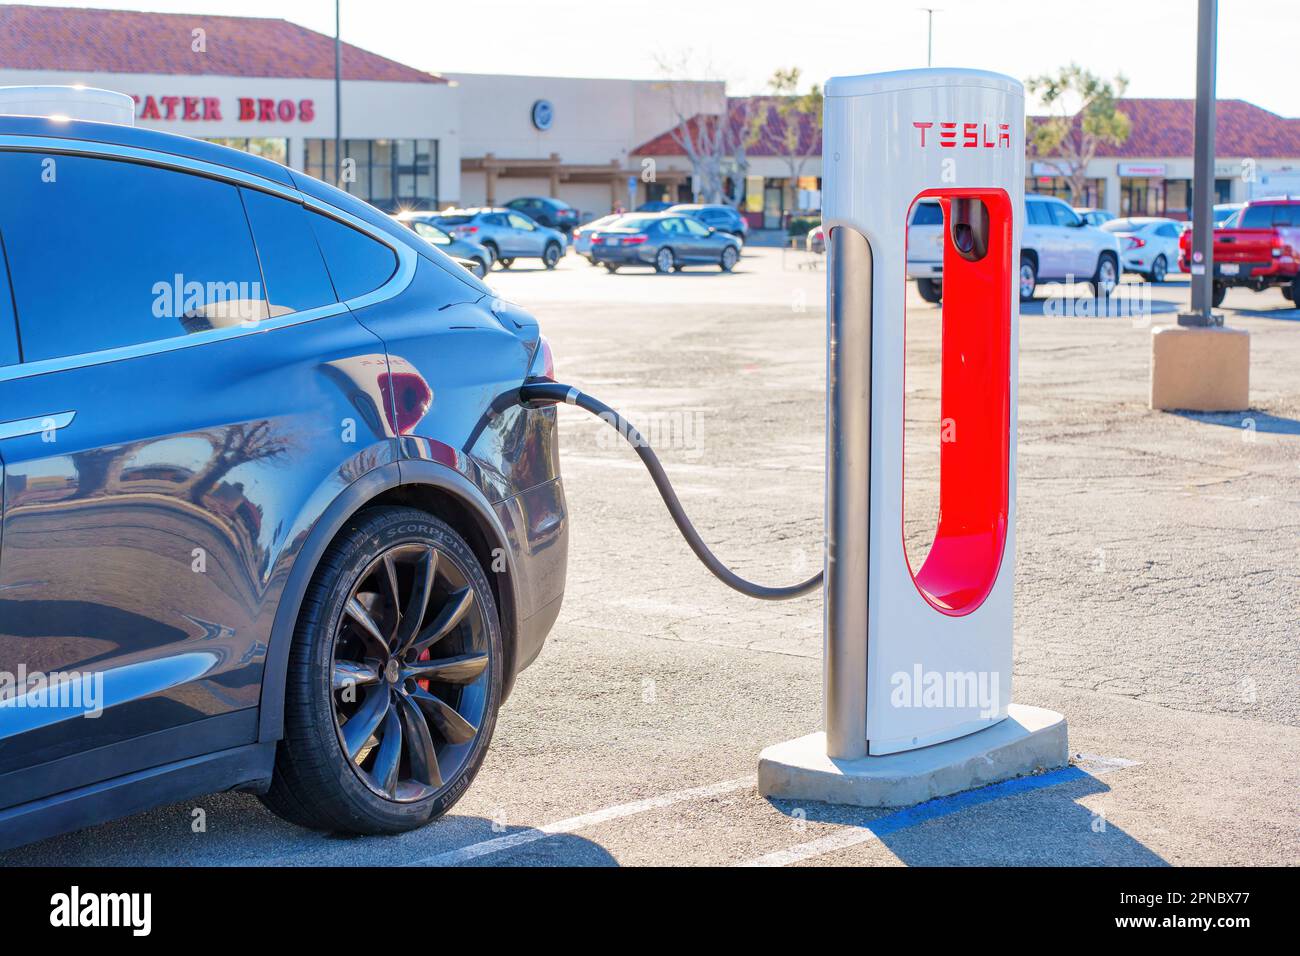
(539, 392)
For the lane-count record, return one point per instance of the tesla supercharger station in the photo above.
(918, 659)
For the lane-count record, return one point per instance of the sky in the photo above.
(1152, 42)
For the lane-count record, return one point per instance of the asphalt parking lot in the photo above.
(1157, 583)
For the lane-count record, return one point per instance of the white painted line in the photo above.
(891, 823)
(572, 824)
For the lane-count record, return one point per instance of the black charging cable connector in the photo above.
(539, 392)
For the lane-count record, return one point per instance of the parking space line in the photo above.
(572, 824)
(1084, 766)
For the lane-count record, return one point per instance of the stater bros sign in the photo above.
(207, 109)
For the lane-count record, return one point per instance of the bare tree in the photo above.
(1084, 114)
(713, 141)
(788, 124)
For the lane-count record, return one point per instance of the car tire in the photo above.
(1159, 269)
(591, 260)
(730, 256)
(505, 263)
(551, 255)
(480, 267)
(930, 290)
(1292, 291)
(1218, 292)
(1028, 277)
(493, 253)
(610, 267)
(665, 261)
(347, 665)
(1106, 278)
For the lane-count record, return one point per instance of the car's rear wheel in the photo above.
(1218, 292)
(1159, 269)
(1292, 291)
(665, 260)
(1028, 277)
(480, 267)
(493, 252)
(930, 290)
(610, 267)
(551, 255)
(505, 263)
(729, 258)
(394, 679)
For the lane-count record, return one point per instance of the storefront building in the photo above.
(265, 86)
(1150, 174)
(573, 139)
(769, 182)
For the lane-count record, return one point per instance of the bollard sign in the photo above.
(920, 655)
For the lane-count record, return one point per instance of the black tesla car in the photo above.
(271, 520)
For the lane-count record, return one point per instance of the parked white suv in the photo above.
(1057, 245)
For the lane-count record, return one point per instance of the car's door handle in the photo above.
(34, 426)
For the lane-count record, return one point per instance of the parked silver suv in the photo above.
(1057, 245)
(507, 234)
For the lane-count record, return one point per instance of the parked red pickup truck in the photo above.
(1257, 247)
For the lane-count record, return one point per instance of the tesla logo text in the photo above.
(967, 135)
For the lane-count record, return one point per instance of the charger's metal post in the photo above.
(848, 491)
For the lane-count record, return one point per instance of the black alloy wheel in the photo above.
(394, 678)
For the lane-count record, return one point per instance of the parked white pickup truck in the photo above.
(1057, 245)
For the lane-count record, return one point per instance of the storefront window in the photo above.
(1094, 190)
(1178, 199)
(1140, 196)
(273, 148)
(390, 173)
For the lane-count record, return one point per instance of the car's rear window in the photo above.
(453, 220)
(927, 214)
(635, 224)
(1257, 217)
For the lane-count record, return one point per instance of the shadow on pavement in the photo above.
(1247, 420)
(1037, 827)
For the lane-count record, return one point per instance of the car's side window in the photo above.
(105, 253)
(8, 328)
(1037, 214)
(357, 263)
(1062, 214)
(292, 266)
(695, 228)
(672, 227)
(519, 222)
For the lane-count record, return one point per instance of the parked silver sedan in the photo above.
(666, 242)
(507, 234)
(582, 235)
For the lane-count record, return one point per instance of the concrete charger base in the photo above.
(1030, 740)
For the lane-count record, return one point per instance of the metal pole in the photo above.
(848, 491)
(1202, 265)
(929, 33)
(338, 98)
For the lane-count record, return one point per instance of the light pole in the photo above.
(1202, 264)
(929, 33)
(338, 99)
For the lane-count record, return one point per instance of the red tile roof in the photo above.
(1161, 129)
(739, 108)
(1165, 129)
(126, 41)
